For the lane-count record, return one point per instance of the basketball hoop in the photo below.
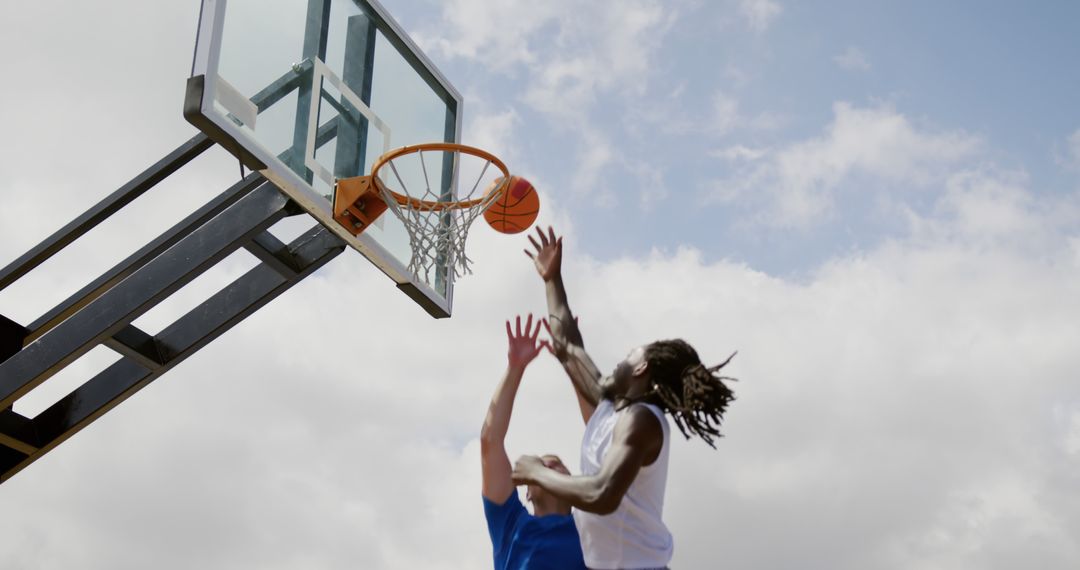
(437, 223)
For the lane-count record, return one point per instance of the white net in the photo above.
(436, 221)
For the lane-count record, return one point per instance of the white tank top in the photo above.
(634, 536)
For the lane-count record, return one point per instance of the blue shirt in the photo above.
(522, 541)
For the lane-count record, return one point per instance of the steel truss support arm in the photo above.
(102, 312)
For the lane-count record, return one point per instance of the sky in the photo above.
(877, 204)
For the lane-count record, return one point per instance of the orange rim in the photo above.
(429, 205)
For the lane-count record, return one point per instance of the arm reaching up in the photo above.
(548, 262)
(566, 342)
(495, 464)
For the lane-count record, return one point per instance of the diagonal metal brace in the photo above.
(134, 296)
(186, 336)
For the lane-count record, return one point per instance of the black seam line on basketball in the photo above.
(492, 212)
(519, 214)
(507, 204)
(509, 220)
(508, 224)
(515, 223)
(509, 192)
(519, 200)
(504, 211)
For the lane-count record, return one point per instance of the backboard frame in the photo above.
(205, 86)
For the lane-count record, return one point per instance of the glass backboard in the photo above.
(312, 91)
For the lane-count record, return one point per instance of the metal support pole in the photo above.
(183, 338)
(105, 208)
(122, 270)
(129, 299)
(357, 75)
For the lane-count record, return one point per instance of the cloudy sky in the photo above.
(876, 203)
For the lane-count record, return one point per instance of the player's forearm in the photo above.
(583, 373)
(592, 494)
(497, 421)
(570, 347)
(560, 319)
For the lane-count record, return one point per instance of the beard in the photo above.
(607, 389)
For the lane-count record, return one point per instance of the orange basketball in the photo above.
(516, 209)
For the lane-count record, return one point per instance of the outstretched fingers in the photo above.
(530, 331)
(544, 238)
(523, 340)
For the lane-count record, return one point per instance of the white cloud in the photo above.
(766, 121)
(571, 52)
(1071, 440)
(737, 75)
(574, 57)
(652, 186)
(988, 205)
(565, 89)
(852, 59)
(800, 180)
(759, 14)
(494, 132)
(597, 154)
(631, 33)
(497, 33)
(607, 51)
(877, 140)
(738, 153)
(1072, 150)
(725, 113)
(674, 115)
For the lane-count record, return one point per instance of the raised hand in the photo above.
(548, 255)
(525, 469)
(523, 346)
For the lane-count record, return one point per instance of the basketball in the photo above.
(516, 209)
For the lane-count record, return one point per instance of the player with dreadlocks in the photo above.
(619, 497)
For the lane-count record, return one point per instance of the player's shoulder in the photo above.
(642, 410)
(638, 419)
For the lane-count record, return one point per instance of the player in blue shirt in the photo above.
(546, 539)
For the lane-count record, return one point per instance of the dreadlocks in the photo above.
(694, 394)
